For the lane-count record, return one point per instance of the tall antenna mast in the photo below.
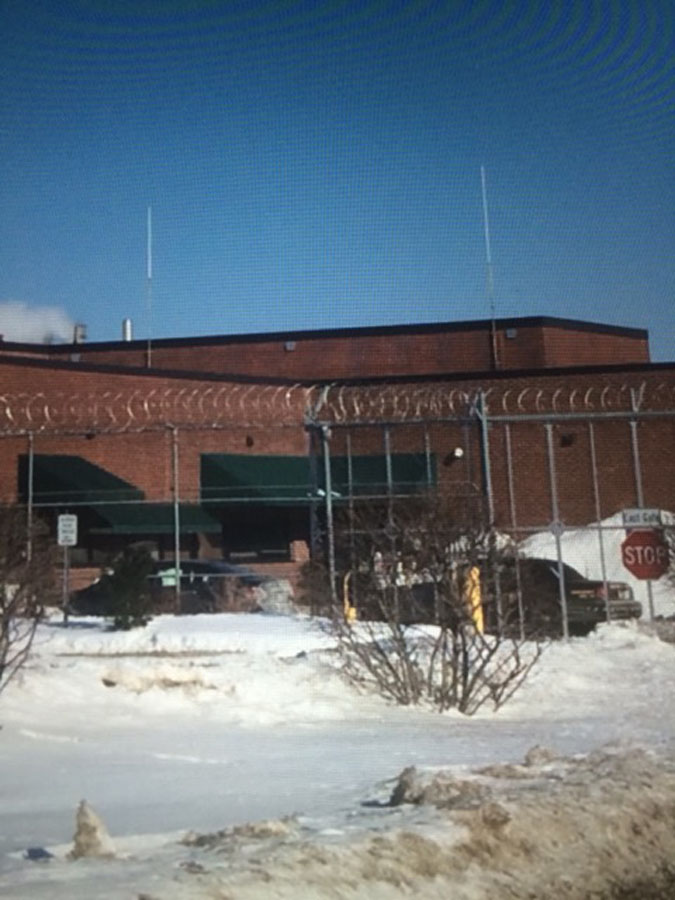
(149, 288)
(490, 278)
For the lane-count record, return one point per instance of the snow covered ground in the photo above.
(206, 722)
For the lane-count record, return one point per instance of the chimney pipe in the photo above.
(126, 330)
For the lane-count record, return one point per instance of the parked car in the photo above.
(205, 586)
(539, 579)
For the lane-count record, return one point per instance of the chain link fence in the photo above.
(550, 464)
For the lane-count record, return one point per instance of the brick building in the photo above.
(234, 440)
(388, 351)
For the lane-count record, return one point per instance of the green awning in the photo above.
(72, 480)
(233, 477)
(269, 479)
(154, 518)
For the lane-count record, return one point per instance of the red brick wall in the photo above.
(11, 448)
(523, 348)
(532, 497)
(532, 494)
(144, 459)
(572, 461)
(580, 348)
(39, 380)
(371, 355)
(331, 357)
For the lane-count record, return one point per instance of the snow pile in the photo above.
(581, 549)
(259, 687)
(205, 633)
(242, 690)
(567, 827)
(587, 676)
(91, 836)
(263, 670)
(248, 670)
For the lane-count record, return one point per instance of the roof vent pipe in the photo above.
(79, 333)
(126, 330)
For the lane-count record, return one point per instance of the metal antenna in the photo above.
(490, 279)
(149, 288)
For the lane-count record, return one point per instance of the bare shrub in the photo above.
(26, 586)
(418, 615)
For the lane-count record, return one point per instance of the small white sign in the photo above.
(642, 518)
(67, 530)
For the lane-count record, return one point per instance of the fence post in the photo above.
(350, 502)
(514, 525)
(637, 471)
(314, 530)
(598, 514)
(387, 463)
(427, 457)
(391, 526)
(557, 528)
(29, 499)
(176, 513)
(481, 411)
(330, 529)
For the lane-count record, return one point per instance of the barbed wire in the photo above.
(117, 411)
(348, 404)
(247, 405)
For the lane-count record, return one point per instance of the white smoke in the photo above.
(36, 324)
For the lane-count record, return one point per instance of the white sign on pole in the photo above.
(641, 518)
(67, 530)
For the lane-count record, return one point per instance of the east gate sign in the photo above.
(641, 518)
(645, 554)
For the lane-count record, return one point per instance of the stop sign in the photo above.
(645, 554)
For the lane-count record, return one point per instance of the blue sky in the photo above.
(317, 164)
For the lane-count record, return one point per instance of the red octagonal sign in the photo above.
(645, 554)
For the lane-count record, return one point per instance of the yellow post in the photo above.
(472, 594)
(348, 609)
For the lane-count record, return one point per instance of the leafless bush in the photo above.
(418, 615)
(26, 586)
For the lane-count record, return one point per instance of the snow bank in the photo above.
(260, 670)
(248, 670)
(581, 550)
(618, 670)
(567, 827)
(207, 633)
